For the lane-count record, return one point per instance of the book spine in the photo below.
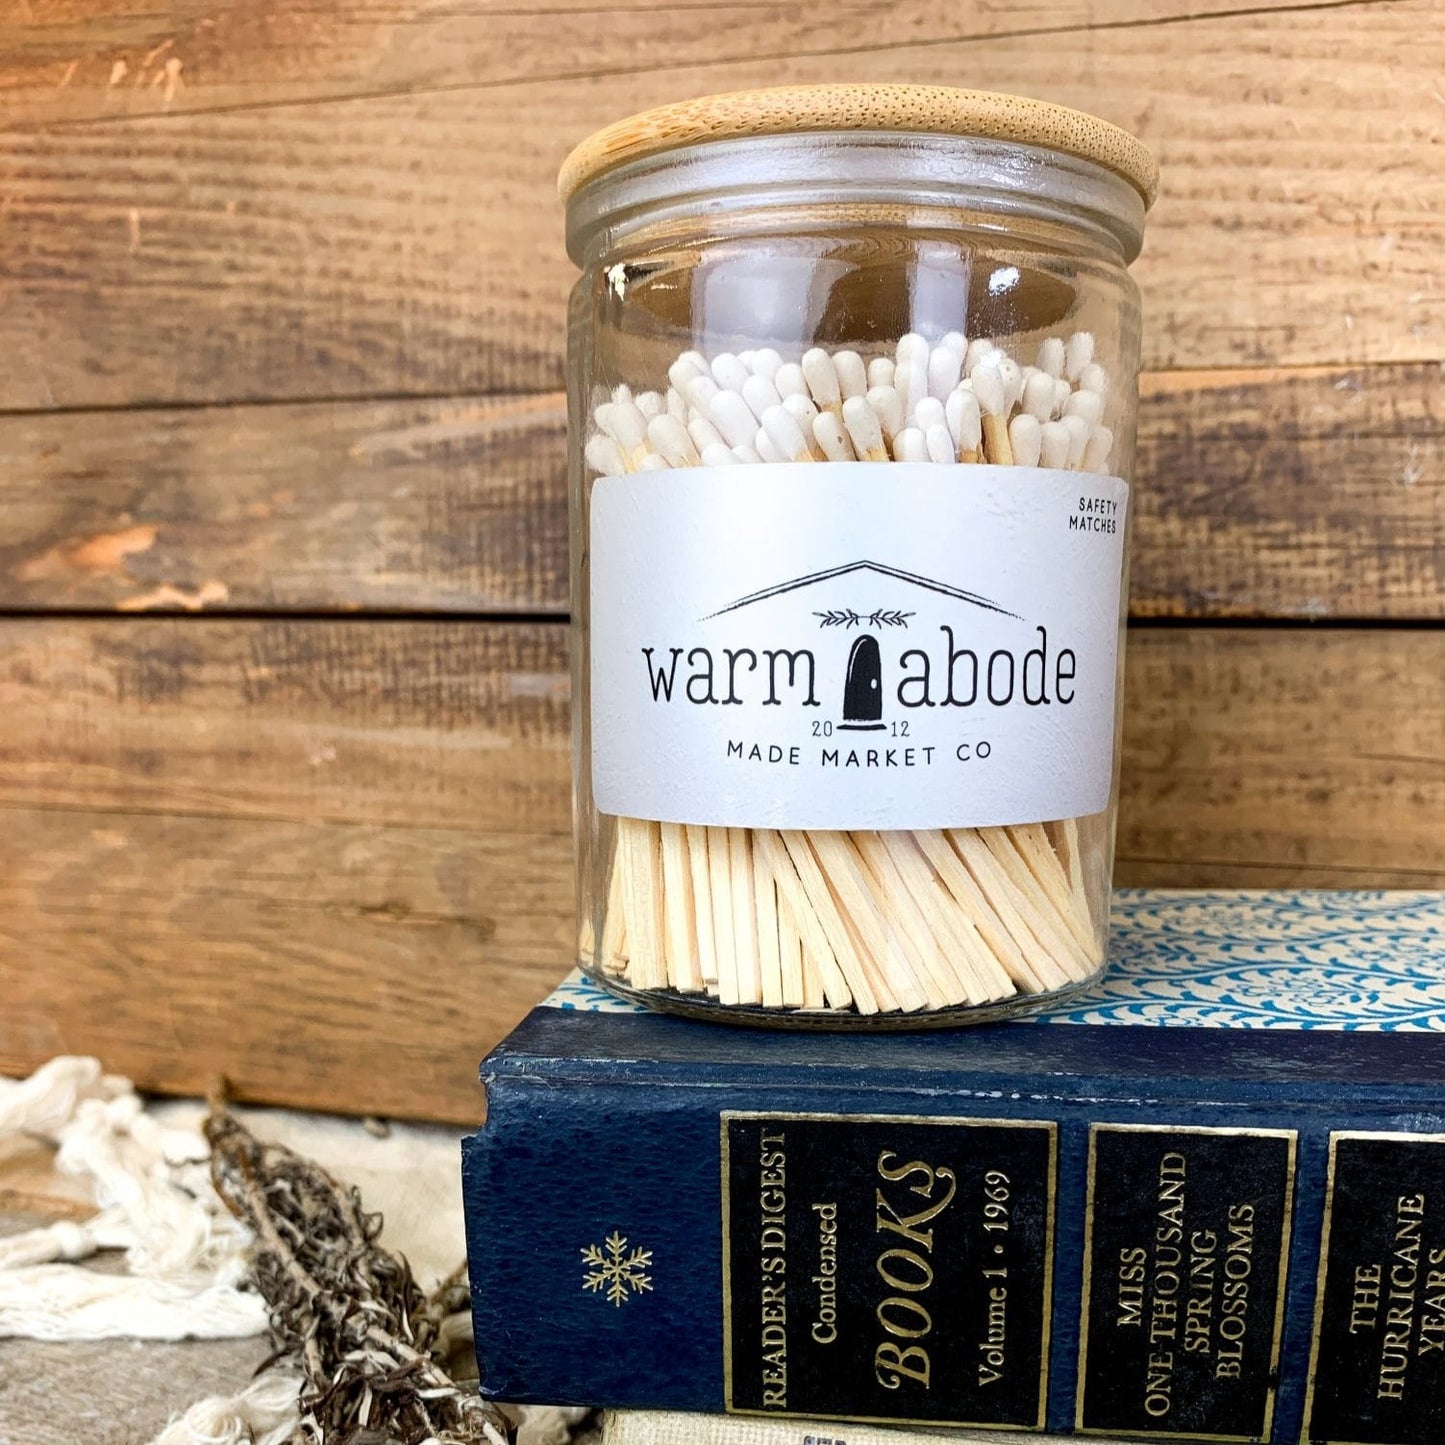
(1261, 1269)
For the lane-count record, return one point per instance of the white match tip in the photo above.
(1012, 376)
(864, 430)
(782, 429)
(852, 373)
(880, 371)
(1078, 430)
(1051, 356)
(988, 386)
(718, 454)
(624, 423)
(888, 407)
(965, 424)
(700, 392)
(912, 347)
(766, 362)
(1054, 445)
(939, 444)
(704, 434)
(682, 371)
(910, 446)
(728, 371)
(1094, 378)
(1096, 454)
(978, 348)
(789, 380)
(760, 394)
(651, 404)
(604, 456)
(1025, 435)
(945, 364)
(801, 409)
(1078, 353)
(669, 436)
(734, 418)
(763, 445)
(830, 436)
(1038, 397)
(929, 413)
(1087, 404)
(821, 376)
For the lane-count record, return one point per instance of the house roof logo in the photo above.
(831, 574)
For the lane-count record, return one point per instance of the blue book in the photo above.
(1206, 1200)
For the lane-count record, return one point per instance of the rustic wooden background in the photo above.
(283, 705)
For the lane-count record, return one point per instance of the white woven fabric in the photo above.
(185, 1255)
(264, 1413)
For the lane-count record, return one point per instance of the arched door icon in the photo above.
(863, 687)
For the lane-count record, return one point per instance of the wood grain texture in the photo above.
(1312, 494)
(1281, 757)
(302, 246)
(88, 61)
(1299, 494)
(352, 968)
(356, 941)
(428, 506)
(415, 725)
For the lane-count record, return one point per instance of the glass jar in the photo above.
(853, 379)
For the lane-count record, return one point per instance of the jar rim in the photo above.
(915, 109)
(867, 177)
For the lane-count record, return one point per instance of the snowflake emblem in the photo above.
(617, 1271)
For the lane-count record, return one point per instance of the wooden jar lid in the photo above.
(931, 109)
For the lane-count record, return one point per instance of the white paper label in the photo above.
(859, 645)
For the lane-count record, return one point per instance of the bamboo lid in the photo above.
(931, 109)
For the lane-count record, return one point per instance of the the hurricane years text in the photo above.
(1400, 1301)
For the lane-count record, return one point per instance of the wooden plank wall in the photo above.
(282, 531)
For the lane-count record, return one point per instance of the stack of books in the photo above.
(1204, 1201)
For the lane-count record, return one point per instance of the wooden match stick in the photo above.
(843, 868)
(790, 950)
(770, 952)
(614, 923)
(919, 935)
(684, 967)
(1033, 845)
(1038, 905)
(817, 946)
(639, 845)
(979, 972)
(995, 932)
(720, 871)
(702, 902)
(1052, 954)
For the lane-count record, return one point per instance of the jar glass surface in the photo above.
(857, 789)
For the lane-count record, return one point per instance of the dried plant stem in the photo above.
(369, 1342)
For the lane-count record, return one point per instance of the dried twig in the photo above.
(347, 1312)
